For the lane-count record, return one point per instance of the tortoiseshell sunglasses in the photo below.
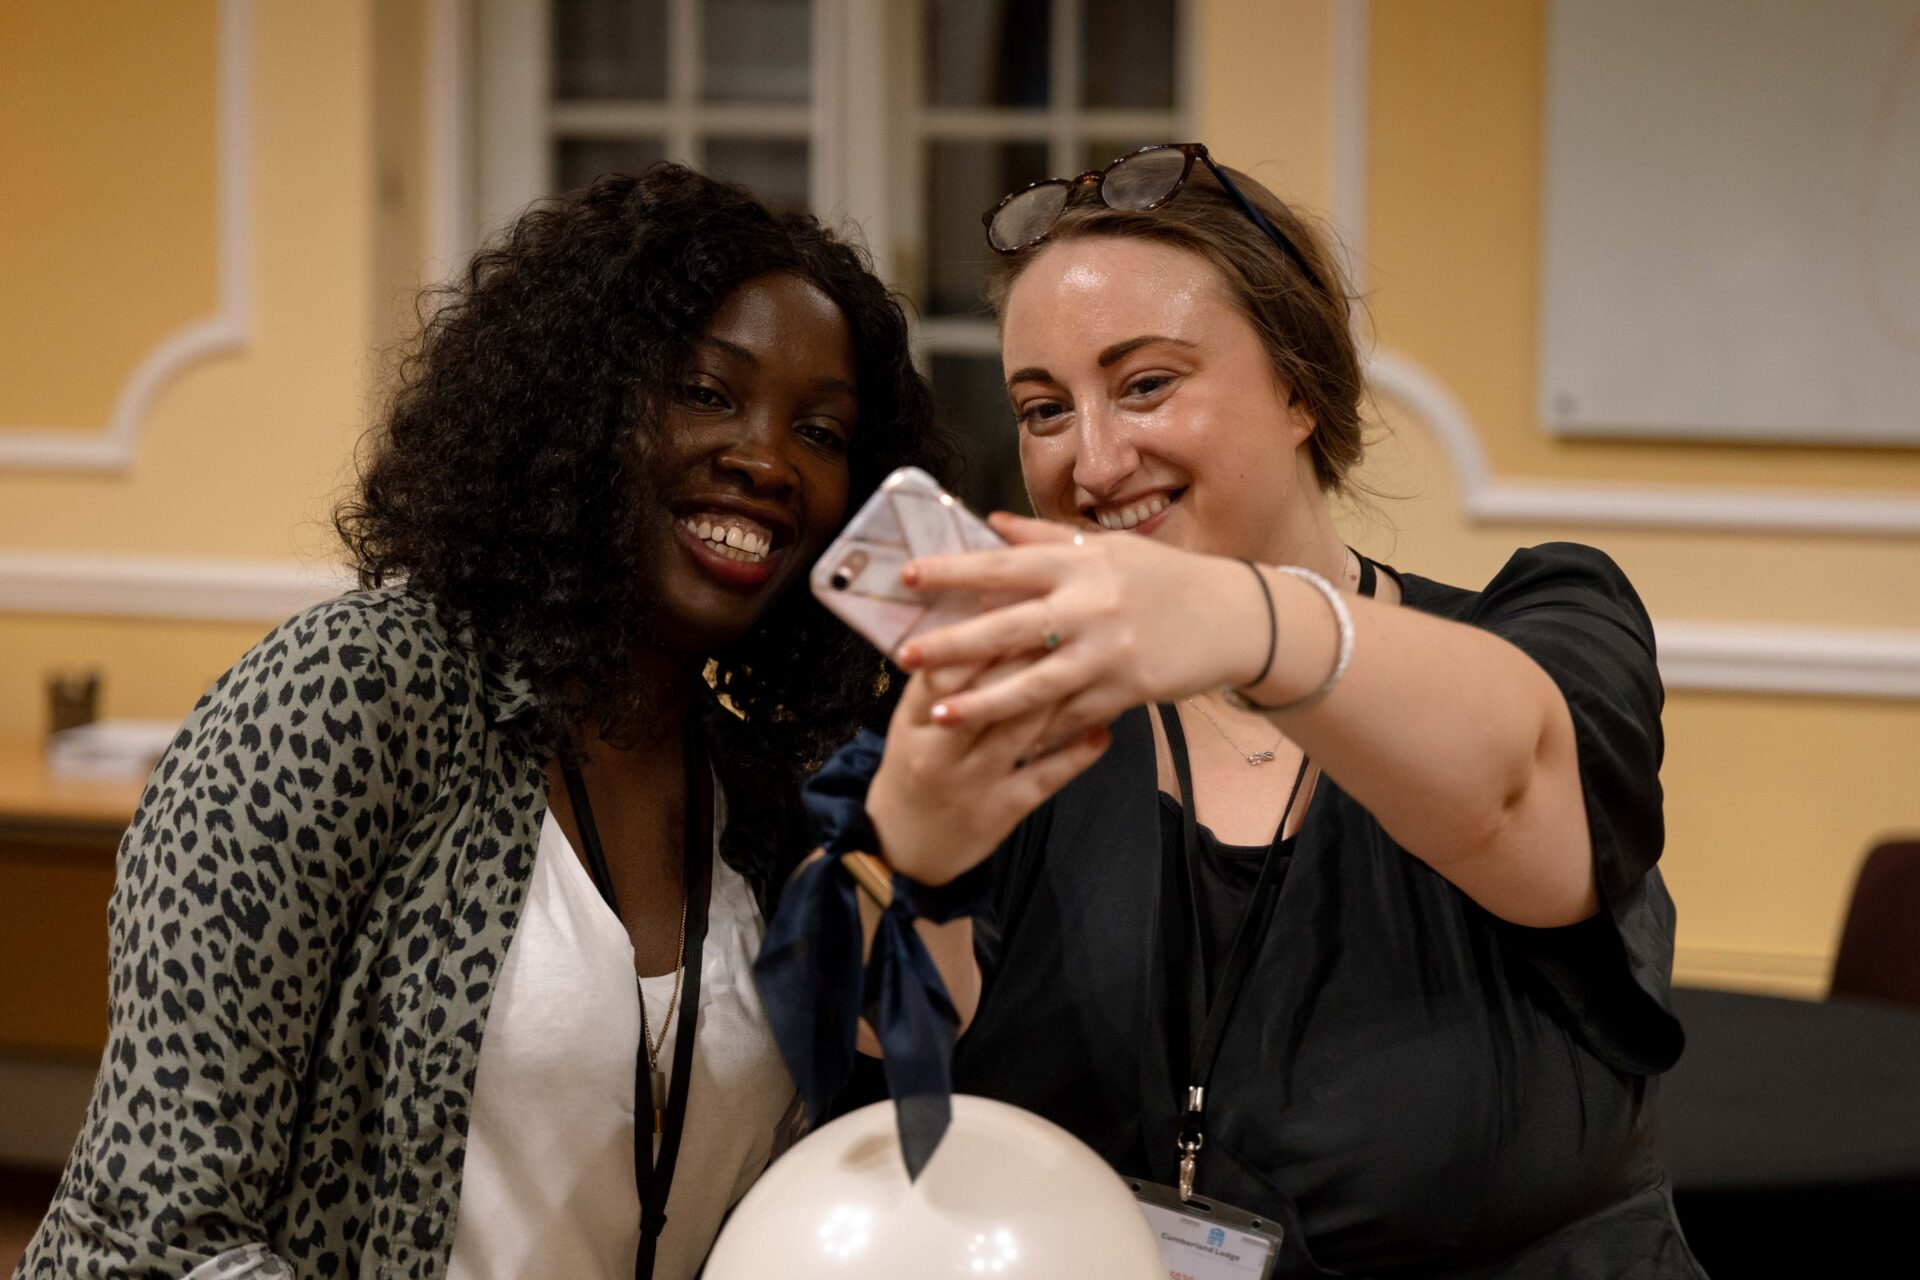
(1138, 181)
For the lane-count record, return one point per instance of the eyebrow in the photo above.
(1107, 358)
(825, 383)
(1121, 350)
(733, 349)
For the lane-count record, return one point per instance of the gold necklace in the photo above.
(653, 1046)
(1255, 758)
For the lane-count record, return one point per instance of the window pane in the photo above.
(973, 400)
(1127, 53)
(578, 161)
(610, 49)
(774, 168)
(757, 50)
(964, 180)
(988, 53)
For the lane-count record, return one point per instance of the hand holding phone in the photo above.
(989, 779)
(858, 577)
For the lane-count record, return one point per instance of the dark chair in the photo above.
(1880, 946)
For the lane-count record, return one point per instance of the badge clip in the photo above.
(1192, 1138)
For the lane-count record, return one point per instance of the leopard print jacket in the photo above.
(311, 906)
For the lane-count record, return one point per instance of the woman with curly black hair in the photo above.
(379, 922)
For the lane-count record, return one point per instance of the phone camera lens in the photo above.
(841, 580)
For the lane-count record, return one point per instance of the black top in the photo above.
(1222, 883)
(1407, 1081)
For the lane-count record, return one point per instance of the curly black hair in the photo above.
(504, 482)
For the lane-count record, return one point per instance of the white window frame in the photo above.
(516, 121)
(1064, 125)
(867, 125)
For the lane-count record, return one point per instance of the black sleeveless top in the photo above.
(1223, 880)
(1408, 1083)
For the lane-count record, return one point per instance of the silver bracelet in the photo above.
(1343, 653)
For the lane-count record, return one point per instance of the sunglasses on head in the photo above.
(1138, 181)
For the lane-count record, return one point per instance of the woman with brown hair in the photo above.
(1319, 889)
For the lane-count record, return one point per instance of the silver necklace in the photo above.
(1255, 758)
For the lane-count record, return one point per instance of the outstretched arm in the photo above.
(1452, 737)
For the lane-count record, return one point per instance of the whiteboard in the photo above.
(1731, 246)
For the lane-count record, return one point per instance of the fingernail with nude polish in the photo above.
(941, 713)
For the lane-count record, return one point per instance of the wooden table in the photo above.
(57, 843)
(41, 812)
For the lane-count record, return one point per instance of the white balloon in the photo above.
(1007, 1195)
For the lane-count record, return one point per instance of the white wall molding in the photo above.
(114, 586)
(1492, 499)
(1729, 656)
(1732, 657)
(32, 448)
(1751, 658)
(1489, 498)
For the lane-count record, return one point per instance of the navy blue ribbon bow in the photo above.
(816, 990)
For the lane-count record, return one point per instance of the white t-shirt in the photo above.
(548, 1188)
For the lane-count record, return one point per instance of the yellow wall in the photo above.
(1263, 74)
(240, 455)
(109, 195)
(1771, 799)
(110, 116)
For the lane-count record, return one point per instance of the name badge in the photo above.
(1203, 1239)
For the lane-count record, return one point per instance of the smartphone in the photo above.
(858, 576)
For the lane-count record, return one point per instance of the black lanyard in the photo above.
(1203, 1038)
(655, 1178)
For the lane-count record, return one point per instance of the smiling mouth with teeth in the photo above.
(731, 537)
(1120, 518)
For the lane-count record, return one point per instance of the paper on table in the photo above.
(109, 749)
